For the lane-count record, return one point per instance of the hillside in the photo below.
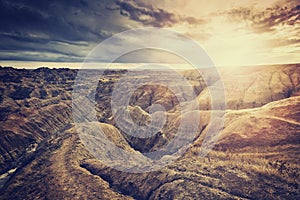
(45, 154)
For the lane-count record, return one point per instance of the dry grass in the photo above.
(257, 174)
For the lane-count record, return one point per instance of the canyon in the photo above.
(49, 148)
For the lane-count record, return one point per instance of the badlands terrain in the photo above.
(49, 148)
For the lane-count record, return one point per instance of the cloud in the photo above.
(287, 13)
(152, 16)
(43, 26)
(274, 43)
(64, 30)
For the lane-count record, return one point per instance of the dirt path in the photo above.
(73, 182)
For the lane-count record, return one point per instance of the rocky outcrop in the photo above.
(32, 108)
(270, 126)
(251, 87)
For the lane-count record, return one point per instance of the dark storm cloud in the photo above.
(43, 26)
(149, 15)
(66, 30)
(47, 18)
(267, 20)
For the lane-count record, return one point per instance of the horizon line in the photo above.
(104, 65)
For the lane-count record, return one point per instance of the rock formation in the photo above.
(45, 154)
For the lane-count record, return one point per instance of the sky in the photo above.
(62, 33)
